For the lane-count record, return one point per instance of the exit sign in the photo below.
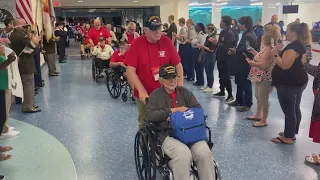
(56, 4)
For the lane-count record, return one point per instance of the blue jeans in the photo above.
(244, 90)
(289, 99)
(209, 62)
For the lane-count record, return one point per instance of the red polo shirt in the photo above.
(173, 96)
(117, 58)
(145, 56)
(94, 34)
(130, 38)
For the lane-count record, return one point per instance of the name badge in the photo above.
(155, 73)
(100, 34)
(162, 54)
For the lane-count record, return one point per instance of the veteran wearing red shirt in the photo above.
(96, 32)
(118, 58)
(144, 58)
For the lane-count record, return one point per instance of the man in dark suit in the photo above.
(23, 44)
(172, 29)
(61, 43)
(225, 42)
(244, 86)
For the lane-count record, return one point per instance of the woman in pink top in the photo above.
(260, 74)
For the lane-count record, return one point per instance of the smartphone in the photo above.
(309, 53)
(248, 47)
(246, 55)
(272, 42)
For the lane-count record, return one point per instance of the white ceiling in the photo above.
(149, 3)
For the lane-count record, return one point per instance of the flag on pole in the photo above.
(23, 8)
(48, 18)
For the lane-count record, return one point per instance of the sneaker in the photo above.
(204, 87)
(208, 90)
(229, 99)
(234, 103)
(101, 75)
(219, 94)
(244, 109)
(9, 134)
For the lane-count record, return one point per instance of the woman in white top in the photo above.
(197, 42)
(103, 53)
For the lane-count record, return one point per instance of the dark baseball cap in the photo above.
(153, 23)
(101, 38)
(168, 71)
(123, 41)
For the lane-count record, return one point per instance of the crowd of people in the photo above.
(266, 55)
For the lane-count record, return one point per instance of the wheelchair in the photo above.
(96, 71)
(116, 82)
(150, 159)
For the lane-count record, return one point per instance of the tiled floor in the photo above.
(99, 131)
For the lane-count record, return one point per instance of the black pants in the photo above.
(61, 50)
(183, 56)
(101, 63)
(189, 61)
(258, 42)
(244, 90)
(224, 78)
(209, 61)
(289, 99)
(199, 66)
(38, 75)
(2, 109)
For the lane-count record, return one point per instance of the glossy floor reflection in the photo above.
(98, 131)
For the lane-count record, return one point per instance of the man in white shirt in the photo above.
(103, 53)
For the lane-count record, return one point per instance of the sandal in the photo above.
(252, 118)
(5, 149)
(280, 141)
(4, 157)
(282, 134)
(314, 159)
(259, 124)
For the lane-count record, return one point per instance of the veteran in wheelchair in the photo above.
(102, 53)
(117, 78)
(161, 147)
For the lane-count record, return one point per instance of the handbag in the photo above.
(189, 127)
(316, 104)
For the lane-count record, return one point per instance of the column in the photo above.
(178, 8)
(216, 15)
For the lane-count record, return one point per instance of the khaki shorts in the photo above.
(142, 111)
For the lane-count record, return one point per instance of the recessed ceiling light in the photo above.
(135, 1)
(80, 1)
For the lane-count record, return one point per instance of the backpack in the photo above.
(189, 127)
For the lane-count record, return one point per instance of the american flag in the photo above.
(23, 8)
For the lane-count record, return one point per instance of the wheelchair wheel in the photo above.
(124, 97)
(141, 156)
(114, 84)
(218, 175)
(94, 71)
